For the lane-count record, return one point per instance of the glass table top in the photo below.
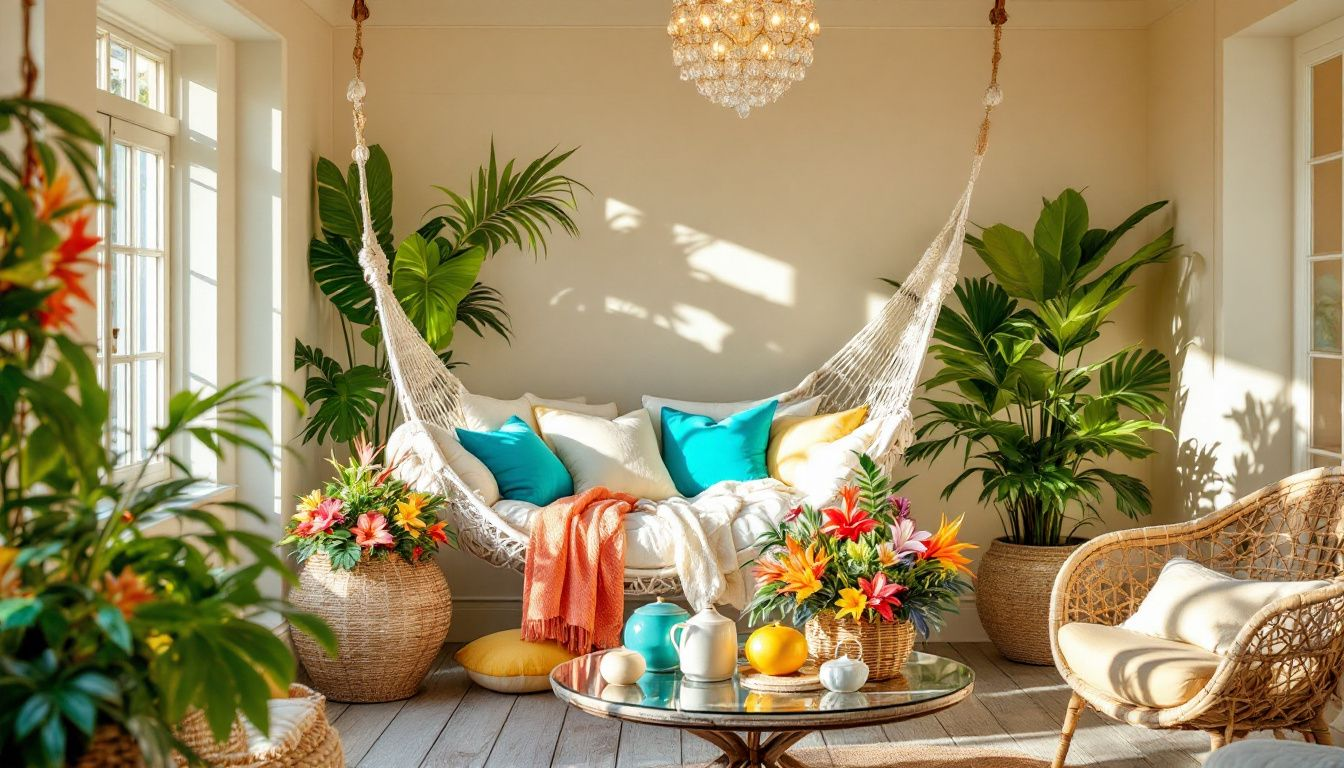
(924, 678)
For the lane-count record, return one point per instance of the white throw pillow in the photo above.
(1193, 604)
(619, 454)
(412, 444)
(721, 411)
(487, 414)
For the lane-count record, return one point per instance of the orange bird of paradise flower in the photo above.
(799, 569)
(945, 548)
(126, 591)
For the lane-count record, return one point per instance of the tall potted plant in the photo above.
(1035, 414)
(110, 639)
(434, 273)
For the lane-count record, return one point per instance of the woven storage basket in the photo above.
(112, 747)
(884, 645)
(390, 620)
(1012, 596)
(311, 743)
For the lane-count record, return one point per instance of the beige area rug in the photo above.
(912, 756)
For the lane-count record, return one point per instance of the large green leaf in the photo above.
(1059, 231)
(335, 267)
(1019, 268)
(338, 197)
(430, 283)
(346, 399)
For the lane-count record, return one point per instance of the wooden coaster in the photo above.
(805, 679)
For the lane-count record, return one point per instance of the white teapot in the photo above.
(707, 646)
(843, 674)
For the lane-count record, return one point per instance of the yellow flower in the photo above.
(408, 513)
(886, 554)
(9, 580)
(856, 551)
(852, 602)
(304, 509)
(158, 642)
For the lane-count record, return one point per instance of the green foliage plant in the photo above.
(433, 272)
(101, 625)
(1037, 417)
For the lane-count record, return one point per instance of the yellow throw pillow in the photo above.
(793, 436)
(507, 663)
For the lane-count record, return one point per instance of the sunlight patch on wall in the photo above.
(875, 303)
(737, 266)
(623, 218)
(615, 306)
(700, 326)
(202, 112)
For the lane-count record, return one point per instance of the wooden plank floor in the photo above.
(453, 723)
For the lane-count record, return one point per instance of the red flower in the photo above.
(321, 519)
(67, 271)
(435, 532)
(849, 522)
(416, 552)
(793, 514)
(881, 594)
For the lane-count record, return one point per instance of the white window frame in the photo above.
(150, 128)
(139, 45)
(1312, 48)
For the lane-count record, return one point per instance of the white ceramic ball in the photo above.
(621, 667)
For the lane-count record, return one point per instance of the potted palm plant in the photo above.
(1039, 418)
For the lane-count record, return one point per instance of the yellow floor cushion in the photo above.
(1139, 669)
(506, 663)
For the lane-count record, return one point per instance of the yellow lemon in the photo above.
(776, 649)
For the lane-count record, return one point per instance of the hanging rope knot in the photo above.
(998, 15)
(373, 261)
(360, 154)
(993, 96)
(359, 12)
(355, 92)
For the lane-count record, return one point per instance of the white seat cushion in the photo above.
(752, 506)
(1133, 667)
(1193, 604)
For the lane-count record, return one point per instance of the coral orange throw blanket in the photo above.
(573, 586)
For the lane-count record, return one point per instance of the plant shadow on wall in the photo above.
(1199, 482)
(433, 273)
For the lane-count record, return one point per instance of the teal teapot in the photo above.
(648, 632)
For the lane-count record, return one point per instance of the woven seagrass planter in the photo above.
(884, 645)
(1012, 597)
(390, 619)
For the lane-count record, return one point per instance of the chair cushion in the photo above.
(619, 454)
(506, 663)
(486, 414)
(523, 466)
(700, 451)
(1142, 670)
(720, 411)
(1193, 604)
(793, 437)
(411, 446)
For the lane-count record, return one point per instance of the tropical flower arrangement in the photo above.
(366, 513)
(865, 559)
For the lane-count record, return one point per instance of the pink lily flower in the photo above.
(371, 531)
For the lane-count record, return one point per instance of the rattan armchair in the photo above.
(1286, 662)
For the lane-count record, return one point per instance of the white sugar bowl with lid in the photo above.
(843, 674)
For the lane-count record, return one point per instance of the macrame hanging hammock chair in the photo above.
(878, 367)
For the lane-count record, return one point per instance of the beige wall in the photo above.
(726, 258)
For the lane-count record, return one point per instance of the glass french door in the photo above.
(132, 291)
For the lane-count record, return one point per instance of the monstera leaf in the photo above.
(345, 399)
(430, 282)
(338, 197)
(335, 267)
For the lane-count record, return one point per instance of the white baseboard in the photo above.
(474, 617)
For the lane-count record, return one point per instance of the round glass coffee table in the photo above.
(721, 713)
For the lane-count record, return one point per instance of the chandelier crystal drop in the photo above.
(742, 53)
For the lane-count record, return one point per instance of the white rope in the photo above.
(878, 367)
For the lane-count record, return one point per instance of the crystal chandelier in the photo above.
(742, 53)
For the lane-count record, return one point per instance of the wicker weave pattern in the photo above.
(1286, 663)
(883, 645)
(1012, 598)
(390, 618)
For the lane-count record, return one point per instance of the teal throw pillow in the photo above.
(524, 467)
(700, 452)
